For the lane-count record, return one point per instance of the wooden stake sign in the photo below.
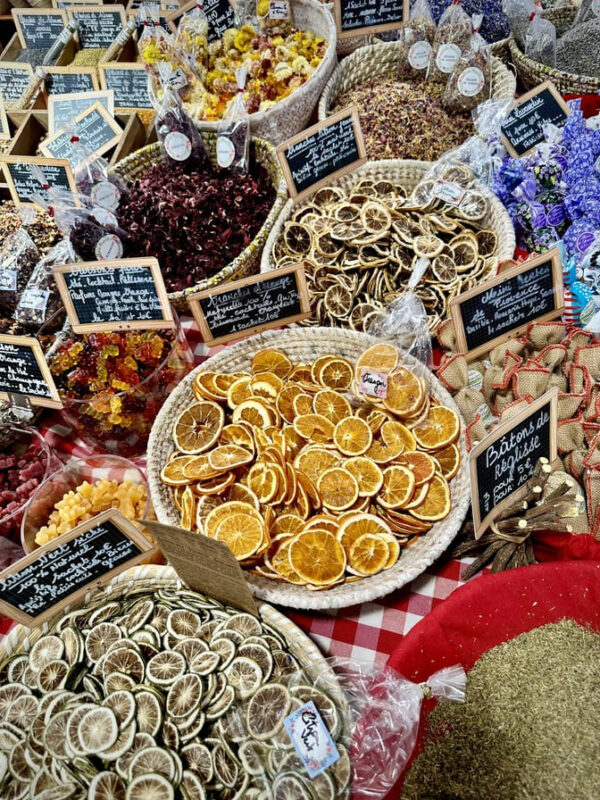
(22, 184)
(524, 126)
(38, 586)
(503, 307)
(128, 82)
(98, 25)
(97, 130)
(204, 564)
(361, 17)
(506, 459)
(68, 80)
(38, 28)
(15, 77)
(62, 108)
(24, 372)
(320, 154)
(127, 294)
(251, 305)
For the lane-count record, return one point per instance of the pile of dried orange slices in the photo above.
(304, 477)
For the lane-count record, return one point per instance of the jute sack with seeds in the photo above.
(309, 472)
(360, 242)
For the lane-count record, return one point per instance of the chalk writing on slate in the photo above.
(97, 29)
(506, 459)
(253, 304)
(69, 82)
(41, 30)
(14, 79)
(23, 371)
(96, 129)
(71, 566)
(21, 182)
(67, 108)
(506, 304)
(129, 85)
(377, 15)
(524, 126)
(220, 16)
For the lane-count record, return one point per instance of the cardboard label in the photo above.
(62, 108)
(251, 305)
(279, 9)
(97, 130)
(311, 739)
(24, 371)
(361, 17)
(373, 383)
(524, 126)
(449, 192)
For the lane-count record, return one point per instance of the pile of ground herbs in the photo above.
(194, 222)
(405, 120)
(529, 729)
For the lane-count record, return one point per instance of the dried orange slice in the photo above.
(317, 557)
(439, 429)
(237, 433)
(238, 392)
(263, 480)
(317, 364)
(254, 412)
(287, 524)
(283, 566)
(199, 468)
(188, 509)
(172, 473)
(205, 387)
(323, 521)
(216, 515)
(398, 486)
(382, 453)
(449, 460)
(420, 464)
(338, 489)
(242, 493)
(285, 402)
(394, 432)
(242, 533)
(198, 427)
(216, 485)
(331, 405)
(419, 494)
(394, 549)
(380, 357)
(272, 361)
(369, 554)
(336, 374)
(436, 504)
(303, 404)
(356, 525)
(314, 427)
(368, 475)
(405, 393)
(352, 436)
(229, 456)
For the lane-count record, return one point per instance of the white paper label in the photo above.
(418, 54)
(105, 194)
(373, 383)
(178, 146)
(596, 7)
(8, 280)
(105, 217)
(486, 415)
(474, 379)
(450, 193)
(35, 299)
(311, 739)
(279, 9)
(447, 56)
(470, 81)
(108, 248)
(225, 151)
(177, 79)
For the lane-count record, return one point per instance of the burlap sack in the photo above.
(475, 432)
(589, 356)
(530, 380)
(502, 399)
(498, 354)
(556, 379)
(447, 335)
(576, 338)
(453, 372)
(569, 404)
(469, 402)
(552, 356)
(541, 334)
(579, 377)
(570, 436)
(510, 409)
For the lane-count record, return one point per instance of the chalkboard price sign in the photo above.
(524, 126)
(358, 17)
(22, 184)
(98, 25)
(14, 79)
(219, 13)
(504, 306)
(41, 584)
(69, 80)
(251, 305)
(97, 131)
(505, 460)
(129, 82)
(39, 28)
(62, 108)
(114, 295)
(23, 371)
(322, 153)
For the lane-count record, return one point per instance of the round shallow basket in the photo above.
(530, 73)
(301, 346)
(382, 59)
(135, 165)
(293, 113)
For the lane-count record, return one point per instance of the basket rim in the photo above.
(370, 588)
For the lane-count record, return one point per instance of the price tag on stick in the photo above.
(320, 154)
(505, 460)
(524, 126)
(361, 17)
(251, 305)
(38, 586)
(503, 307)
(24, 371)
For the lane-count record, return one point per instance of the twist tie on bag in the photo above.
(427, 691)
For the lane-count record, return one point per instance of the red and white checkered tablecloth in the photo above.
(367, 633)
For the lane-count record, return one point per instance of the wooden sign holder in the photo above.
(54, 400)
(55, 162)
(72, 97)
(367, 29)
(45, 146)
(546, 86)
(18, 13)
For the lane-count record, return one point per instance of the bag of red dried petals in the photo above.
(470, 81)
(416, 38)
(451, 39)
(233, 131)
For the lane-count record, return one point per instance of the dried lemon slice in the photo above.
(375, 217)
(444, 268)
(338, 301)
(317, 557)
(427, 246)
(198, 427)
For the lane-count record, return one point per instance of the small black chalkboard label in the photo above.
(505, 460)
(97, 131)
(251, 305)
(524, 126)
(39, 585)
(22, 184)
(98, 25)
(368, 16)
(321, 153)
(69, 82)
(114, 295)
(503, 306)
(128, 82)
(14, 79)
(39, 29)
(23, 371)
(219, 13)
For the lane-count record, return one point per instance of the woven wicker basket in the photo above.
(531, 74)
(382, 59)
(292, 114)
(302, 345)
(136, 164)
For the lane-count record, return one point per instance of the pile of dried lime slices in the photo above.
(307, 480)
(360, 247)
(162, 695)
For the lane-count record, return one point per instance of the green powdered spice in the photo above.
(529, 729)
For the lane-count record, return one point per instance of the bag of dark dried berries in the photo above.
(233, 132)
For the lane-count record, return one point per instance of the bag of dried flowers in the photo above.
(451, 39)
(233, 132)
(470, 81)
(416, 38)
(540, 40)
(40, 300)
(275, 16)
(192, 39)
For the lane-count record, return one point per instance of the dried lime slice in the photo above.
(55, 737)
(149, 714)
(290, 786)
(150, 787)
(225, 648)
(106, 786)
(124, 706)
(183, 624)
(16, 790)
(245, 676)
(184, 695)
(226, 768)
(122, 745)
(253, 756)
(170, 734)
(205, 663)
(260, 654)
(17, 763)
(139, 615)
(22, 711)
(98, 729)
(104, 611)
(191, 786)
(124, 660)
(325, 705)
(151, 760)
(53, 675)
(16, 667)
(266, 711)
(196, 757)
(341, 769)
(118, 681)
(190, 648)
(46, 649)
(100, 638)
(220, 707)
(165, 667)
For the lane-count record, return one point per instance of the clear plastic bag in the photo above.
(519, 14)
(540, 40)
(470, 81)
(233, 132)
(416, 38)
(275, 16)
(451, 38)
(405, 322)
(18, 257)
(588, 10)
(192, 39)
(40, 300)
